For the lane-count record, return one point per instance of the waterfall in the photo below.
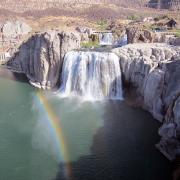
(92, 75)
(106, 39)
(122, 41)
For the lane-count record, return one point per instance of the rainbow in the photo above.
(54, 125)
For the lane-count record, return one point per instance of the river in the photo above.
(46, 137)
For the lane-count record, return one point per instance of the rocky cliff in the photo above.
(137, 34)
(41, 57)
(152, 73)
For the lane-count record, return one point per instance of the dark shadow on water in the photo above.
(7, 74)
(123, 149)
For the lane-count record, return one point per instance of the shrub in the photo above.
(90, 44)
(177, 33)
(133, 17)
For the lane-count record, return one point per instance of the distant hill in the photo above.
(29, 5)
(91, 9)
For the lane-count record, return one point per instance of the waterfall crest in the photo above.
(92, 75)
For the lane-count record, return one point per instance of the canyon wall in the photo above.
(41, 57)
(152, 74)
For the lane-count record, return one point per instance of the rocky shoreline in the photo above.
(152, 73)
(15, 76)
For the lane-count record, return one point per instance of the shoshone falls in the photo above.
(92, 75)
(47, 135)
(89, 90)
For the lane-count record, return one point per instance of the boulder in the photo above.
(41, 57)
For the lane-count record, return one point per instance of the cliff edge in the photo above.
(152, 73)
(41, 57)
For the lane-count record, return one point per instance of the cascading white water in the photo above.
(106, 39)
(92, 75)
(122, 41)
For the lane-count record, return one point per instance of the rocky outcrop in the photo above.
(85, 33)
(175, 41)
(118, 29)
(170, 39)
(14, 28)
(153, 71)
(136, 34)
(41, 57)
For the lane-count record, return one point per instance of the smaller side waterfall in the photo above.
(122, 41)
(106, 39)
(92, 75)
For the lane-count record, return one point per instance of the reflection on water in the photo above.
(65, 127)
(29, 147)
(18, 159)
(44, 137)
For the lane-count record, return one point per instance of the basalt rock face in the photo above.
(153, 71)
(41, 57)
(136, 34)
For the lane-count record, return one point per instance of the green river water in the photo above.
(103, 140)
